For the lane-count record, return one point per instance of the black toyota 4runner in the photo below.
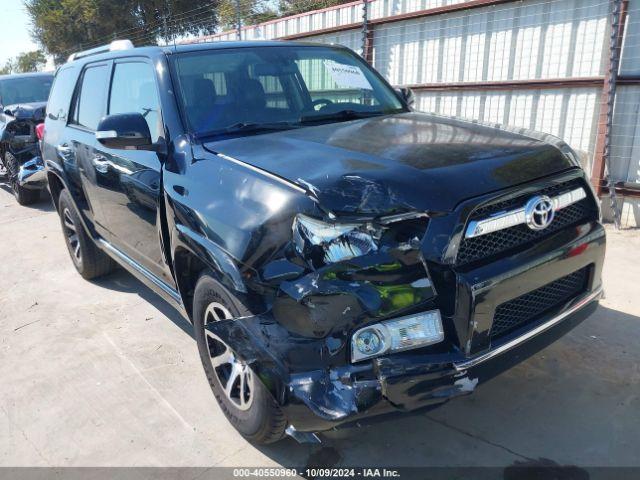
(339, 255)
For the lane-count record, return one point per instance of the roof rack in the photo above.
(111, 47)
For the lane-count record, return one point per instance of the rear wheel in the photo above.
(243, 398)
(24, 196)
(89, 260)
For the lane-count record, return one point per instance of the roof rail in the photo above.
(111, 47)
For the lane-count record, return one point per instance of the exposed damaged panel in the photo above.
(342, 296)
(288, 364)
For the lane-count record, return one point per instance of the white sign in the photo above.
(347, 76)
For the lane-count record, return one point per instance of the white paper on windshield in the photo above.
(347, 76)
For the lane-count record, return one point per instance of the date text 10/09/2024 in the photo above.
(316, 472)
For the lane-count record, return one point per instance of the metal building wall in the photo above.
(625, 135)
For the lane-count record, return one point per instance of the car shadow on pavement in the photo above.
(44, 203)
(122, 281)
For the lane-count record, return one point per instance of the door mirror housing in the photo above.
(125, 131)
(406, 94)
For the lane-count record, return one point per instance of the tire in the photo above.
(89, 260)
(256, 416)
(24, 196)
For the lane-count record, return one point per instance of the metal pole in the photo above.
(614, 63)
(238, 21)
(365, 27)
(367, 33)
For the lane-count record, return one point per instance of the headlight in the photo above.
(405, 333)
(324, 243)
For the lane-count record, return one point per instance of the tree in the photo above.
(30, 62)
(293, 7)
(9, 67)
(24, 62)
(65, 26)
(251, 12)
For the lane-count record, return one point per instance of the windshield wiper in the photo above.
(247, 127)
(339, 115)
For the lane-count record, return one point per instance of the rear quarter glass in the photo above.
(61, 93)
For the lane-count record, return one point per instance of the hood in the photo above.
(398, 163)
(27, 111)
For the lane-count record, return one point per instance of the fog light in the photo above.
(369, 342)
(396, 335)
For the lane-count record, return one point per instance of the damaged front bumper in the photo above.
(323, 399)
(308, 371)
(32, 174)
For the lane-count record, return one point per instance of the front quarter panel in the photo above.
(232, 218)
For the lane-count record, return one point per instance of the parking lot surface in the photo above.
(107, 374)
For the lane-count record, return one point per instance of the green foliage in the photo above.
(30, 61)
(8, 68)
(251, 12)
(293, 7)
(24, 63)
(65, 26)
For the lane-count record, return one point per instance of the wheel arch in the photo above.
(55, 185)
(194, 254)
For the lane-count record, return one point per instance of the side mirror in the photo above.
(126, 131)
(407, 95)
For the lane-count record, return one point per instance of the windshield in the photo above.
(259, 89)
(25, 90)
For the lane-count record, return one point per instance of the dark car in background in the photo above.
(339, 255)
(23, 101)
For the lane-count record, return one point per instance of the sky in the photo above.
(15, 36)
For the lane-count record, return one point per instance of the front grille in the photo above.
(531, 306)
(502, 241)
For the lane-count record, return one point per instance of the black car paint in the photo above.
(228, 205)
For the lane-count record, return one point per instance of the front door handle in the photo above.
(100, 163)
(64, 150)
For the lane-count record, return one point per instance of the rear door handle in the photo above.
(100, 163)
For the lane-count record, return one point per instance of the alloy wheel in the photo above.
(71, 235)
(235, 376)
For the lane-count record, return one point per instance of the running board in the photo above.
(127, 261)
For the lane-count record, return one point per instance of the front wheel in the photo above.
(24, 196)
(243, 398)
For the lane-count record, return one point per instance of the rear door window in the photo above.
(133, 90)
(90, 106)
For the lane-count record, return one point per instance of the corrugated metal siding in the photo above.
(625, 134)
(630, 57)
(534, 40)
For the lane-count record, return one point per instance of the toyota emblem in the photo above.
(539, 212)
